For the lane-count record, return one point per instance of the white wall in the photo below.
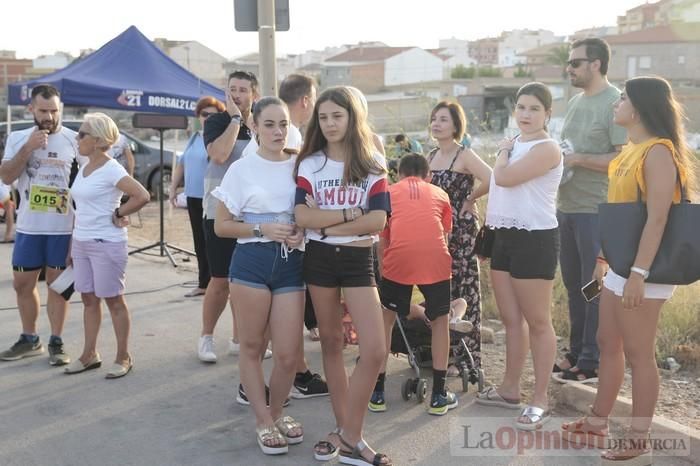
(453, 43)
(199, 60)
(56, 61)
(412, 66)
(513, 43)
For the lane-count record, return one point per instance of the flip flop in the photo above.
(491, 397)
(7, 241)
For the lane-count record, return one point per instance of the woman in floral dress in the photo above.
(456, 170)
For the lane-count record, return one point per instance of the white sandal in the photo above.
(491, 397)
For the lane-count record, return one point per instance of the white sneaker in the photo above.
(206, 349)
(461, 326)
(234, 348)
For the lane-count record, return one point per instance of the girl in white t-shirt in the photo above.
(98, 249)
(342, 200)
(257, 208)
(522, 211)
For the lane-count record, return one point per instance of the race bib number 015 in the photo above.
(48, 199)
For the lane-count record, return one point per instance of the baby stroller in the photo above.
(413, 338)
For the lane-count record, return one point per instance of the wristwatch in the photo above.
(236, 119)
(640, 271)
(257, 231)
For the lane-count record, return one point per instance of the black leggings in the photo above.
(194, 209)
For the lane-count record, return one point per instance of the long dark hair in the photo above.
(662, 116)
(357, 144)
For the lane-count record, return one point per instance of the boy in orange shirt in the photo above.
(414, 252)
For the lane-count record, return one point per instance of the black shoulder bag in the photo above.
(677, 261)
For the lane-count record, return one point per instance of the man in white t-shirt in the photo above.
(9, 208)
(41, 159)
(121, 152)
(299, 93)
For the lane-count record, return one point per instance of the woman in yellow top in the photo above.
(654, 159)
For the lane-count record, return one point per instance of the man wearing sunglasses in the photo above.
(41, 159)
(596, 140)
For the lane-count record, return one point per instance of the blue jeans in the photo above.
(580, 245)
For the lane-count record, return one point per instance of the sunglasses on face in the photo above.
(205, 114)
(576, 62)
(82, 134)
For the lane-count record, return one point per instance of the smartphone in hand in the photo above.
(591, 290)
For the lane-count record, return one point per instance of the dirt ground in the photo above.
(679, 396)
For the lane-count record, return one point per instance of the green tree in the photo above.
(489, 72)
(521, 72)
(559, 56)
(462, 72)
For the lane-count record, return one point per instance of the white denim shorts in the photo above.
(4, 192)
(616, 284)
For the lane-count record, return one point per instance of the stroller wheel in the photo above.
(481, 380)
(407, 389)
(421, 390)
(465, 381)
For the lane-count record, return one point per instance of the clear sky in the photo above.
(71, 25)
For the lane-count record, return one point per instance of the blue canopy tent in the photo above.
(127, 73)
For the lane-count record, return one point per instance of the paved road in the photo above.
(174, 410)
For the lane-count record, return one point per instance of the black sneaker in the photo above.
(58, 357)
(22, 349)
(441, 403)
(242, 399)
(316, 386)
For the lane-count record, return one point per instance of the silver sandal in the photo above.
(285, 425)
(268, 433)
(537, 416)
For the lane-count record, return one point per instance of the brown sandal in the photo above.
(582, 433)
(633, 448)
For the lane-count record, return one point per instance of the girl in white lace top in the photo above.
(522, 212)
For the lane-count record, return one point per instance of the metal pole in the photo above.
(266, 39)
(160, 199)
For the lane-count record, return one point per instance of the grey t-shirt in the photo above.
(213, 128)
(589, 126)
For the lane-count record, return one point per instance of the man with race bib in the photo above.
(40, 159)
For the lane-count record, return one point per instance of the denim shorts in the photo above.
(261, 265)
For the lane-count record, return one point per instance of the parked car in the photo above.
(146, 170)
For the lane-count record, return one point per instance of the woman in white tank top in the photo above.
(522, 211)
